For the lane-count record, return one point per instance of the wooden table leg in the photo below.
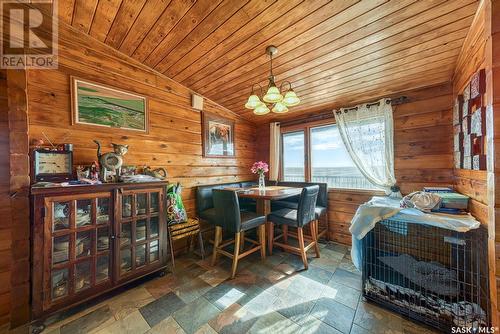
(264, 208)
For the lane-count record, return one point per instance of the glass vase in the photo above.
(262, 182)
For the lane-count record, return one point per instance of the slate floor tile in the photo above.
(272, 296)
(261, 303)
(377, 320)
(293, 306)
(195, 314)
(348, 278)
(89, 322)
(168, 325)
(342, 294)
(205, 329)
(336, 247)
(134, 323)
(192, 289)
(334, 314)
(320, 275)
(215, 276)
(306, 287)
(223, 295)
(129, 301)
(312, 325)
(161, 308)
(272, 323)
(358, 330)
(233, 319)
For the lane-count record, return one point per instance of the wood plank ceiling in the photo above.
(334, 52)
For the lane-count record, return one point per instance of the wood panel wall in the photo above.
(472, 58)
(174, 140)
(422, 153)
(423, 145)
(5, 222)
(481, 50)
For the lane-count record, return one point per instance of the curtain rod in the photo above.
(328, 114)
(395, 101)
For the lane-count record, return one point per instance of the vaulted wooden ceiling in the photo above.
(333, 52)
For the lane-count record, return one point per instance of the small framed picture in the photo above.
(218, 136)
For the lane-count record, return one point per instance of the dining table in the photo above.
(264, 197)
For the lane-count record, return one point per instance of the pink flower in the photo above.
(260, 167)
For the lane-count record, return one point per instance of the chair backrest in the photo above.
(227, 210)
(204, 198)
(307, 204)
(322, 195)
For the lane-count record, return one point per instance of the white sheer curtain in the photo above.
(367, 132)
(274, 151)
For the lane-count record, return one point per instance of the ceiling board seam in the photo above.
(256, 32)
(189, 33)
(337, 27)
(233, 33)
(171, 29)
(229, 36)
(73, 13)
(296, 88)
(357, 50)
(114, 18)
(350, 32)
(93, 17)
(364, 89)
(146, 33)
(474, 20)
(132, 25)
(267, 41)
(214, 30)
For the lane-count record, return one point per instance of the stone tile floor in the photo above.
(271, 296)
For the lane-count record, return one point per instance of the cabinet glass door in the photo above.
(139, 238)
(81, 228)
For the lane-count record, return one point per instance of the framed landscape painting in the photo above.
(99, 105)
(218, 136)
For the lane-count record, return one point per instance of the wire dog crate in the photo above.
(432, 275)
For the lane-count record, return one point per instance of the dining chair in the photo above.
(231, 220)
(299, 218)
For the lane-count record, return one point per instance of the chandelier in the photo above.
(273, 100)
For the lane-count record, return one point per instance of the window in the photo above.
(293, 156)
(329, 160)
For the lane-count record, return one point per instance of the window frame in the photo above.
(306, 128)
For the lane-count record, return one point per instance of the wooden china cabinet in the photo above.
(88, 240)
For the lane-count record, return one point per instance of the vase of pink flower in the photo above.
(260, 167)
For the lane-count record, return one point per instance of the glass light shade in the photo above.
(253, 101)
(273, 95)
(291, 99)
(261, 109)
(280, 108)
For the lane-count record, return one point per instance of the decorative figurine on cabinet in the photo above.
(111, 161)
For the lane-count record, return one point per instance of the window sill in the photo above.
(357, 191)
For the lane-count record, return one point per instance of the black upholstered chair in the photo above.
(321, 209)
(231, 220)
(204, 201)
(299, 218)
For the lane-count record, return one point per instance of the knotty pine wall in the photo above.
(174, 140)
(481, 50)
(5, 214)
(423, 145)
(471, 59)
